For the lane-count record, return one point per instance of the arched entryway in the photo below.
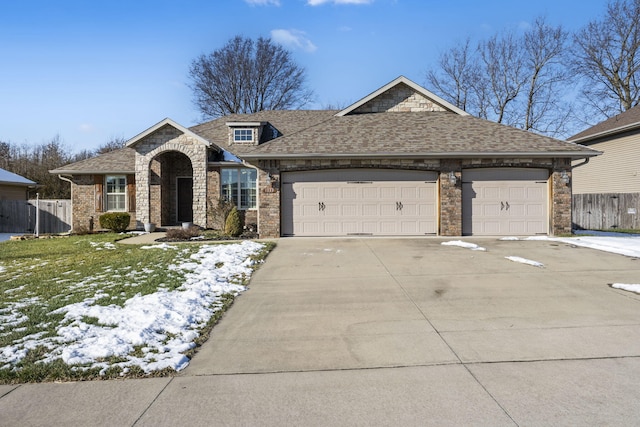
(171, 188)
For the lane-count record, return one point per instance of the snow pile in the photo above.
(162, 246)
(626, 287)
(151, 331)
(629, 245)
(462, 244)
(524, 261)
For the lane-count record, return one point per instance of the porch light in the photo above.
(269, 179)
(452, 178)
(564, 177)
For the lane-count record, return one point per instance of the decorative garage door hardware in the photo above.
(504, 205)
(399, 206)
(321, 206)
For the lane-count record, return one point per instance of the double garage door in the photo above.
(359, 202)
(495, 202)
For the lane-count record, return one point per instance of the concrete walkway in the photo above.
(393, 332)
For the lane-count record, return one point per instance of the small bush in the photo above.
(183, 234)
(233, 224)
(218, 213)
(115, 221)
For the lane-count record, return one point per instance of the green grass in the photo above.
(40, 276)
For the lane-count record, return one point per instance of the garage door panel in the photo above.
(505, 201)
(383, 202)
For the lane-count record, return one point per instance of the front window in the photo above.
(243, 135)
(116, 193)
(239, 186)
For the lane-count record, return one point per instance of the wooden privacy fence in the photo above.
(606, 210)
(19, 216)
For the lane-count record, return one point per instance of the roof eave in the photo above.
(429, 155)
(605, 133)
(91, 172)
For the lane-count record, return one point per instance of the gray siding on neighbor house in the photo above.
(615, 171)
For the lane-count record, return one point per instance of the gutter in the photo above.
(430, 155)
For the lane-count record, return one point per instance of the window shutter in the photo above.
(131, 192)
(99, 191)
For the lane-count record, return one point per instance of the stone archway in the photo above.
(161, 158)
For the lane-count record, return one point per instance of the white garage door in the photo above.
(498, 202)
(359, 202)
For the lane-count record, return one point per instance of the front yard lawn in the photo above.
(85, 307)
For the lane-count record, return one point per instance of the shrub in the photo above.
(183, 234)
(218, 213)
(233, 224)
(115, 221)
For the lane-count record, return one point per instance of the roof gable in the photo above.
(400, 95)
(166, 122)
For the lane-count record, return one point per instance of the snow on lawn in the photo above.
(524, 261)
(462, 244)
(151, 331)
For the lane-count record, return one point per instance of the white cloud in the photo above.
(263, 2)
(294, 39)
(321, 2)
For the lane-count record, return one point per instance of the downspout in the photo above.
(71, 183)
(586, 160)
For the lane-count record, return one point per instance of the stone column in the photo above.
(450, 198)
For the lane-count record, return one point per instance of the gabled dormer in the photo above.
(400, 95)
(250, 133)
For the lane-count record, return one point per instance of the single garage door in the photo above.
(359, 202)
(505, 201)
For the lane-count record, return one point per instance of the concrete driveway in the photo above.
(403, 332)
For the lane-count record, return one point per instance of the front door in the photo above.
(185, 199)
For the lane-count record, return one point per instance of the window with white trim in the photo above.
(116, 192)
(239, 186)
(243, 135)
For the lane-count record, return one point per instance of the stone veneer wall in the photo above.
(450, 195)
(163, 140)
(400, 98)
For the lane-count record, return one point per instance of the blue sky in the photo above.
(90, 71)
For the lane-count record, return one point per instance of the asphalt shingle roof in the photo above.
(118, 161)
(415, 133)
(623, 122)
(308, 133)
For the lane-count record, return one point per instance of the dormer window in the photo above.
(243, 135)
(247, 133)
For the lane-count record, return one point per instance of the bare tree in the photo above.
(456, 75)
(115, 143)
(607, 56)
(502, 58)
(247, 76)
(509, 78)
(545, 110)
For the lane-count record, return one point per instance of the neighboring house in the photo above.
(607, 188)
(400, 161)
(14, 186)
